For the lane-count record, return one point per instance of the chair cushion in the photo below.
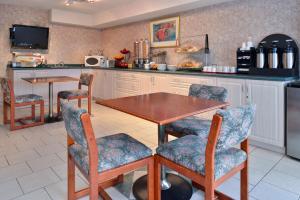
(85, 79)
(113, 151)
(190, 126)
(208, 92)
(72, 93)
(73, 124)
(189, 151)
(27, 98)
(236, 125)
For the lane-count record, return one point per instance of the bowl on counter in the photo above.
(172, 68)
(146, 66)
(162, 67)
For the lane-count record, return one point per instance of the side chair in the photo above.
(10, 100)
(85, 80)
(194, 125)
(208, 163)
(102, 161)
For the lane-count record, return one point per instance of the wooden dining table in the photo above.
(50, 80)
(162, 109)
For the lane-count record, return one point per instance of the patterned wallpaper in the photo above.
(67, 43)
(227, 25)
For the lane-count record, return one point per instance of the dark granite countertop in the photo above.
(185, 72)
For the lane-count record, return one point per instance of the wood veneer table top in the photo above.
(50, 79)
(162, 108)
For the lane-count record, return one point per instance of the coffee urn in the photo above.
(136, 52)
(273, 56)
(260, 56)
(288, 56)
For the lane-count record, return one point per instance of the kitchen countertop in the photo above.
(187, 72)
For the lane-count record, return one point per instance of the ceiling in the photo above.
(59, 4)
(108, 13)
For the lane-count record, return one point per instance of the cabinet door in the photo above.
(158, 83)
(127, 84)
(97, 86)
(268, 96)
(103, 84)
(107, 84)
(235, 88)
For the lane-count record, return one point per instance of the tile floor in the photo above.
(33, 162)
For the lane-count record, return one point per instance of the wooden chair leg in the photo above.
(12, 118)
(58, 105)
(79, 103)
(244, 173)
(209, 185)
(42, 112)
(209, 192)
(151, 180)
(244, 184)
(71, 178)
(157, 176)
(93, 186)
(33, 112)
(5, 113)
(90, 105)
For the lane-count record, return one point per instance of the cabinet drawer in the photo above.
(127, 85)
(126, 76)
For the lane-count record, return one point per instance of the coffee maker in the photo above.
(246, 59)
(276, 55)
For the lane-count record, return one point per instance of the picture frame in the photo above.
(165, 32)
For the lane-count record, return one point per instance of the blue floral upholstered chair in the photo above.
(102, 161)
(209, 162)
(194, 125)
(86, 80)
(12, 101)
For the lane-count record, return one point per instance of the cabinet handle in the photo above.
(247, 93)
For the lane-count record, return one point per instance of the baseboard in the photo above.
(268, 146)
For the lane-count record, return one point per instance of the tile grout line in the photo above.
(283, 189)
(54, 174)
(60, 157)
(267, 174)
(6, 160)
(37, 152)
(20, 186)
(29, 167)
(45, 189)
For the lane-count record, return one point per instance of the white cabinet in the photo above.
(103, 84)
(268, 96)
(127, 84)
(235, 88)
(158, 83)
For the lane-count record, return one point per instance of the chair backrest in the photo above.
(73, 124)
(236, 124)
(86, 79)
(208, 92)
(7, 89)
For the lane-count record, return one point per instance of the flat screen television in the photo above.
(29, 37)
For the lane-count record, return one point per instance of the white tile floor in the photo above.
(33, 162)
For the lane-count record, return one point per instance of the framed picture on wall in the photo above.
(165, 32)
